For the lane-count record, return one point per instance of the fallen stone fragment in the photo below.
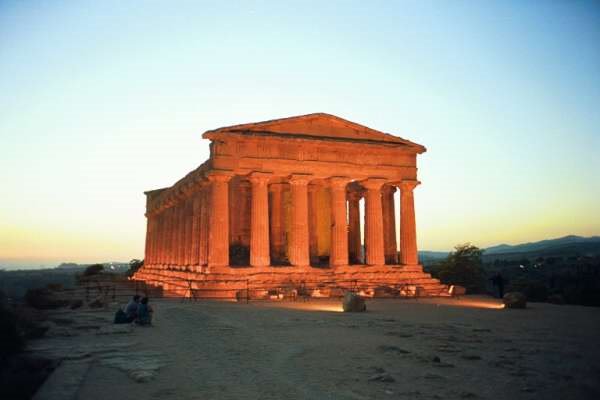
(514, 300)
(383, 377)
(353, 303)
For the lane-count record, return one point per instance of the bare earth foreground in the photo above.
(407, 349)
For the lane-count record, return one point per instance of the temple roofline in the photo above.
(361, 132)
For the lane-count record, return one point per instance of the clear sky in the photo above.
(101, 100)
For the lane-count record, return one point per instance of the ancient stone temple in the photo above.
(303, 203)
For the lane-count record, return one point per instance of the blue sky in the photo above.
(100, 101)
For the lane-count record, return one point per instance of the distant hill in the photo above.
(543, 245)
(567, 246)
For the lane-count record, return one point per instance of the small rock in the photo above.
(383, 377)
(436, 359)
(353, 303)
(515, 300)
(556, 299)
(392, 349)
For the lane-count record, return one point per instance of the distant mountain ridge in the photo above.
(566, 245)
(541, 245)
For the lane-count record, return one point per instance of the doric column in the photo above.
(408, 231)
(389, 224)
(159, 238)
(276, 218)
(339, 224)
(374, 221)
(354, 243)
(299, 243)
(259, 220)
(181, 229)
(149, 238)
(313, 224)
(169, 259)
(204, 225)
(218, 235)
(147, 242)
(195, 246)
(189, 217)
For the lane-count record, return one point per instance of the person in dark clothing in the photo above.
(498, 280)
(132, 308)
(144, 313)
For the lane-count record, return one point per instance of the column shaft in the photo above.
(339, 224)
(204, 226)
(389, 225)
(259, 220)
(408, 231)
(276, 219)
(299, 243)
(218, 236)
(374, 221)
(195, 245)
(354, 242)
(313, 225)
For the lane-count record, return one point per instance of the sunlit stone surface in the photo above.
(277, 207)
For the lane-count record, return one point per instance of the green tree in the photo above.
(462, 267)
(134, 265)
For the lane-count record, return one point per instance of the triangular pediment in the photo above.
(318, 125)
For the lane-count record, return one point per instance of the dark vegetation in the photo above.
(25, 295)
(93, 269)
(565, 270)
(20, 374)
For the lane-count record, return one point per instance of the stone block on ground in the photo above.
(353, 303)
(514, 300)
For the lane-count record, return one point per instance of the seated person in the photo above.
(144, 313)
(132, 308)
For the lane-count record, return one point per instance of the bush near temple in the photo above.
(134, 265)
(93, 269)
(462, 267)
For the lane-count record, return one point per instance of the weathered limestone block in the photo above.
(514, 300)
(353, 303)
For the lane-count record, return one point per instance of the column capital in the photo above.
(299, 179)
(408, 184)
(259, 178)
(373, 183)
(338, 182)
(219, 175)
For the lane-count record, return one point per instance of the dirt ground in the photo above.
(399, 349)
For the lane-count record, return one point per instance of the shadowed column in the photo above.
(374, 221)
(299, 243)
(276, 219)
(195, 246)
(354, 243)
(218, 235)
(259, 220)
(313, 224)
(408, 232)
(204, 225)
(389, 224)
(339, 224)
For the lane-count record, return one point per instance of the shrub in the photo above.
(462, 267)
(11, 341)
(134, 266)
(93, 269)
(43, 299)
